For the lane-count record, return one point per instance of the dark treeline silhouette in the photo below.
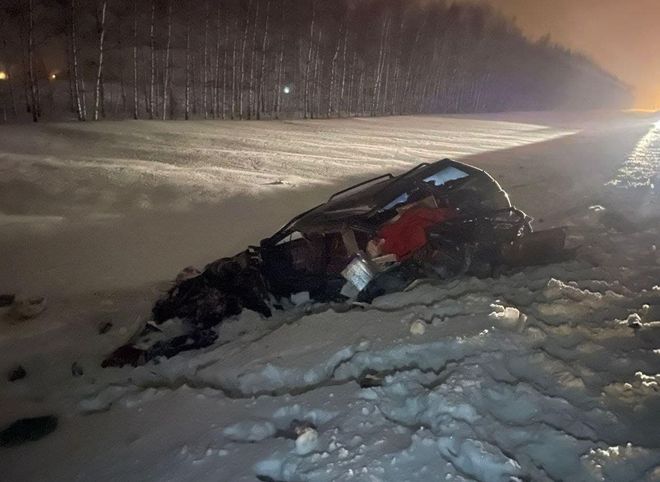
(253, 59)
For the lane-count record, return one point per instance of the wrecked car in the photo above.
(439, 220)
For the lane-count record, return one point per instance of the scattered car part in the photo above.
(6, 300)
(18, 373)
(27, 430)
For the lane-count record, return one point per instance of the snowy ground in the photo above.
(551, 373)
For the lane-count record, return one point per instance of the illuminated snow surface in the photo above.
(550, 373)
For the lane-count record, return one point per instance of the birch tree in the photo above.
(205, 63)
(152, 49)
(99, 72)
(262, 74)
(32, 78)
(166, 79)
(136, 106)
(188, 74)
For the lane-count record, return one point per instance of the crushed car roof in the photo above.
(359, 202)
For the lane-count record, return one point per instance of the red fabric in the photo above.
(408, 233)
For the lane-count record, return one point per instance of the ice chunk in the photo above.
(300, 298)
(417, 328)
(507, 317)
(307, 441)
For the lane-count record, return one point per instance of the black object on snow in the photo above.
(17, 373)
(6, 300)
(27, 430)
(76, 370)
(104, 328)
(191, 341)
(125, 355)
(295, 429)
(224, 288)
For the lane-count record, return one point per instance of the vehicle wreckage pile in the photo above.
(437, 221)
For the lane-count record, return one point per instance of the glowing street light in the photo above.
(53, 76)
(3, 75)
(286, 89)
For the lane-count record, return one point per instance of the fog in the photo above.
(622, 36)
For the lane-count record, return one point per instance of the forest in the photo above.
(271, 59)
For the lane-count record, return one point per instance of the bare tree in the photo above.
(333, 73)
(205, 60)
(34, 103)
(187, 88)
(343, 68)
(378, 77)
(99, 72)
(136, 107)
(215, 98)
(233, 79)
(250, 104)
(242, 77)
(224, 70)
(78, 79)
(280, 65)
(152, 47)
(166, 80)
(310, 51)
(69, 65)
(262, 74)
(315, 90)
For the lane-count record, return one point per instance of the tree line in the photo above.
(254, 59)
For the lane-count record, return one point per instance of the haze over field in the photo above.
(622, 36)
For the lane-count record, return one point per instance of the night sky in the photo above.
(623, 36)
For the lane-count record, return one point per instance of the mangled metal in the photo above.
(438, 221)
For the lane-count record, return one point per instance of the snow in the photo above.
(547, 373)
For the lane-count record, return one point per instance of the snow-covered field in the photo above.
(551, 373)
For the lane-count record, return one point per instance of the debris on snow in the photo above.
(17, 373)
(417, 328)
(6, 300)
(27, 430)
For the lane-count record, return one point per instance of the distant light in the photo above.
(53, 76)
(3, 75)
(286, 89)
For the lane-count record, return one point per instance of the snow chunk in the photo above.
(623, 463)
(307, 441)
(507, 317)
(250, 431)
(300, 298)
(480, 460)
(642, 393)
(417, 328)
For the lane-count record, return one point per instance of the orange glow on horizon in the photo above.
(620, 35)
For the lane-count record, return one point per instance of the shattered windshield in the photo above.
(438, 179)
(445, 175)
